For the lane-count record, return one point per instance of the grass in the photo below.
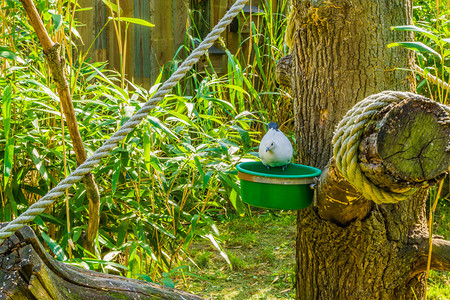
(261, 250)
(439, 281)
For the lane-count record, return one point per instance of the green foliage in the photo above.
(432, 48)
(162, 186)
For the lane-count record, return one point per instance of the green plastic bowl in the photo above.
(277, 189)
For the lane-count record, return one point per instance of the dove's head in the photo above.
(273, 125)
(271, 146)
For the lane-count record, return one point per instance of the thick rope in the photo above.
(104, 150)
(347, 138)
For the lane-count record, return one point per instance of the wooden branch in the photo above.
(406, 145)
(440, 255)
(57, 65)
(338, 200)
(28, 272)
(283, 70)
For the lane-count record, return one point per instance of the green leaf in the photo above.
(115, 177)
(219, 248)
(415, 46)
(57, 19)
(245, 137)
(46, 90)
(157, 123)
(77, 231)
(57, 250)
(145, 277)
(8, 54)
(192, 232)
(6, 109)
(38, 162)
(121, 234)
(112, 6)
(150, 159)
(414, 28)
(167, 281)
(206, 178)
(8, 160)
(51, 219)
(8, 157)
(134, 21)
(235, 197)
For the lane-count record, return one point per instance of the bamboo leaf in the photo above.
(57, 19)
(115, 177)
(6, 109)
(56, 249)
(38, 162)
(134, 21)
(8, 54)
(112, 6)
(415, 46)
(219, 248)
(422, 31)
(8, 157)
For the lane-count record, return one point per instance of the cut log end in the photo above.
(413, 142)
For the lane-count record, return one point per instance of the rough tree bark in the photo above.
(347, 246)
(57, 66)
(29, 272)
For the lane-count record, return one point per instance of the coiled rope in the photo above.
(347, 138)
(104, 150)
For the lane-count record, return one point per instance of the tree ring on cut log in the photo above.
(412, 141)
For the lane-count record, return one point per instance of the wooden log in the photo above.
(28, 272)
(405, 146)
(412, 142)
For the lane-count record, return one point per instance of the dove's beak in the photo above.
(267, 149)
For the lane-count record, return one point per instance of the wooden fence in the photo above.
(148, 49)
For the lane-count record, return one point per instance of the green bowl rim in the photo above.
(315, 171)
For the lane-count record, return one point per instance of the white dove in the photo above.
(275, 148)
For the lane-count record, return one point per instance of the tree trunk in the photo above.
(29, 272)
(355, 249)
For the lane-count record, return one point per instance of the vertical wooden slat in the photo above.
(162, 38)
(180, 16)
(142, 35)
(127, 7)
(98, 21)
(86, 31)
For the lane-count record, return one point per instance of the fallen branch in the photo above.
(29, 272)
(440, 255)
